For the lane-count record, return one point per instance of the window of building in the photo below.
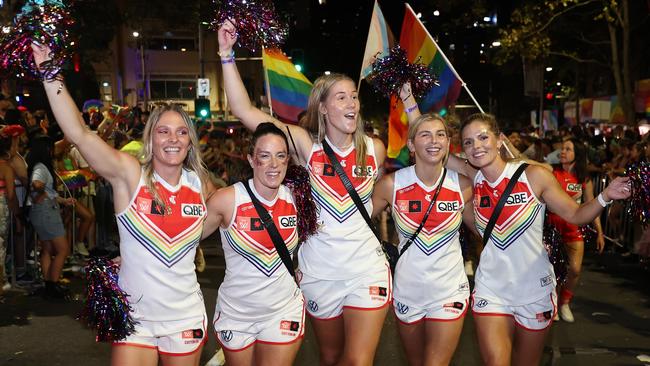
(172, 88)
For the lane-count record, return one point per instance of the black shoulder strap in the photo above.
(502, 202)
(278, 242)
(349, 187)
(426, 215)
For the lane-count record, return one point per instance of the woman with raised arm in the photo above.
(514, 297)
(573, 177)
(342, 270)
(160, 210)
(431, 288)
(260, 312)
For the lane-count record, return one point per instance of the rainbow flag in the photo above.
(287, 88)
(380, 40)
(418, 43)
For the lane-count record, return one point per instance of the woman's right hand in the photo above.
(41, 53)
(227, 36)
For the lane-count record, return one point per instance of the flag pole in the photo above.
(444, 57)
(266, 84)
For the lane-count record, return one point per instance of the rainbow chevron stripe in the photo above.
(428, 240)
(168, 250)
(338, 206)
(507, 231)
(266, 260)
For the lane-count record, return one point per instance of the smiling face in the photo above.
(269, 161)
(567, 154)
(429, 142)
(341, 109)
(170, 140)
(480, 143)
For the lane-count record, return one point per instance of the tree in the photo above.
(544, 30)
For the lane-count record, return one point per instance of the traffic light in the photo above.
(549, 96)
(202, 108)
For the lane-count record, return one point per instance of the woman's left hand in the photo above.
(69, 201)
(619, 189)
(600, 243)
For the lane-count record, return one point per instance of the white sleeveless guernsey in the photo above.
(257, 285)
(431, 269)
(344, 246)
(514, 264)
(158, 245)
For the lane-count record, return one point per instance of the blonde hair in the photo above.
(314, 121)
(413, 129)
(413, 126)
(192, 162)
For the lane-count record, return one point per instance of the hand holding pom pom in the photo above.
(390, 73)
(45, 22)
(257, 23)
(106, 309)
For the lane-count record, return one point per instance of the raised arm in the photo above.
(240, 104)
(548, 188)
(108, 162)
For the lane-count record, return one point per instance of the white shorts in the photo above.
(327, 298)
(449, 309)
(175, 338)
(236, 335)
(536, 316)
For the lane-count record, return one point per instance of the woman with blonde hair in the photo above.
(342, 270)
(160, 206)
(428, 204)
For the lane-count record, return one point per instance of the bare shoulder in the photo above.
(380, 150)
(221, 200)
(535, 172)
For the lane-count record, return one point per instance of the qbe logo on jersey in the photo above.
(191, 210)
(360, 172)
(447, 206)
(517, 199)
(287, 222)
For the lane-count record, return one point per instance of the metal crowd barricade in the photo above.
(618, 225)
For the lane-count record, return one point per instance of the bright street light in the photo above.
(136, 34)
(327, 72)
(496, 44)
(299, 68)
(436, 13)
(549, 69)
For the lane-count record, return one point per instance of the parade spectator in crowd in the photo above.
(8, 204)
(571, 173)
(45, 215)
(514, 298)
(343, 272)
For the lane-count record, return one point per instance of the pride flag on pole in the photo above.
(287, 88)
(418, 43)
(380, 40)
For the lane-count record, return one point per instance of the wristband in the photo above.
(230, 60)
(231, 54)
(602, 201)
(411, 108)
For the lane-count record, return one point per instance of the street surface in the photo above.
(611, 307)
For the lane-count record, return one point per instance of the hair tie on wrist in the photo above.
(411, 108)
(602, 201)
